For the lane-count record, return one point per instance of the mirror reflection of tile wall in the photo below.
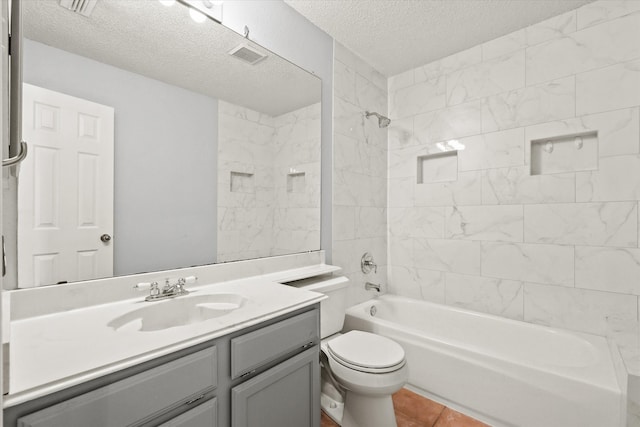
(268, 182)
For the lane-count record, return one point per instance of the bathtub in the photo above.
(501, 371)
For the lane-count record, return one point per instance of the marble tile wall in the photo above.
(296, 222)
(359, 171)
(245, 215)
(558, 249)
(260, 213)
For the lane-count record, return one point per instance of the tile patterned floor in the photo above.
(413, 410)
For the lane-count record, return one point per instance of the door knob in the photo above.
(105, 238)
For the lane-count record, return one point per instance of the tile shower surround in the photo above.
(359, 171)
(558, 249)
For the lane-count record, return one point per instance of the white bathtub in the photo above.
(501, 371)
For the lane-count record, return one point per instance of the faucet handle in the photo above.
(152, 286)
(367, 263)
(143, 286)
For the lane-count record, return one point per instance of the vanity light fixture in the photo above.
(455, 144)
(451, 145)
(548, 147)
(200, 9)
(211, 4)
(197, 16)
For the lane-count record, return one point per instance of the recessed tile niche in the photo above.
(566, 153)
(296, 182)
(438, 167)
(242, 182)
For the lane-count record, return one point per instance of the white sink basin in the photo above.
(179, 311)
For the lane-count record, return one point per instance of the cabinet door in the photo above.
(286, 395)
(205, 415)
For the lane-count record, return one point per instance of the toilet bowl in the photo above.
(361, 370)
(368, 368)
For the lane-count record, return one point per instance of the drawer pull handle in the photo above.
(189, 402)
(308, 345)
(248, 373)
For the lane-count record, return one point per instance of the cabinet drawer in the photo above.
(252, 350)
(204, 415)
(132, 399)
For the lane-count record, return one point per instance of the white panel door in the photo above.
(65, 190)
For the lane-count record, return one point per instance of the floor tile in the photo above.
(451, 418)
(406, 421)
(325, 421)
(413, 410)
(416, 407)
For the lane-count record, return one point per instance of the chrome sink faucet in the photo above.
(176, 289)
(168, 290)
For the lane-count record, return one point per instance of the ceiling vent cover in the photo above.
(247, 53)
(83, 7)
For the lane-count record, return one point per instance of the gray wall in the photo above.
(278, 27)
(165, 158)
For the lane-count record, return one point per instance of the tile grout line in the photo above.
(439, 416)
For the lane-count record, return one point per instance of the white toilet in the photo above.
(367, 368)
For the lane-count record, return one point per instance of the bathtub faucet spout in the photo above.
(369, 286)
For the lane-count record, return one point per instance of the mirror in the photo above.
(157, 142)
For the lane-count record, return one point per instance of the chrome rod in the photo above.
(18, 158)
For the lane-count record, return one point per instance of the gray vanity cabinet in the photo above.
(204, 415)
(266, 375)
(133, 400)
(285, 395)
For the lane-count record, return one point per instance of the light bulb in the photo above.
(197, 16)
(167, 2)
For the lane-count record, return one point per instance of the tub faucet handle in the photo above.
(367, 263)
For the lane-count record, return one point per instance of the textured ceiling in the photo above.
(163, 43)
(397, 35)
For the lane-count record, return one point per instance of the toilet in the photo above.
(360, 370)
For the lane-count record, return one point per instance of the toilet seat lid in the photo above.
(366, 352)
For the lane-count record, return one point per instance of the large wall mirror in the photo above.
(158, 142)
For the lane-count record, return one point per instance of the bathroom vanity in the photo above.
(254, 366)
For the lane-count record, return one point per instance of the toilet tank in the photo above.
(333, 308)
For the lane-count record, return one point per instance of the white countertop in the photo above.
(56, 351)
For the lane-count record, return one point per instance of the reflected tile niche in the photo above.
(565, 153)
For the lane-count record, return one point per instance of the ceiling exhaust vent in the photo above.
(83, 7)
(247, 53)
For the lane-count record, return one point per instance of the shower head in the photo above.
(383, 121)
